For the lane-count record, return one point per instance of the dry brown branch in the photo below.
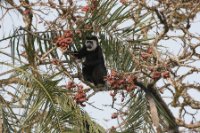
(190, 126)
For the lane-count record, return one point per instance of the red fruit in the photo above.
(149, 50)
(121, 81)
(68, 40)
(129, 89)
(80, 89)
(133, 86)
(81, 100)
(70, 85)
(145, 55)
(27, 12)
(55, 39)
(129, 79)
(77, 96)
(114, 115)
(165, 74)
(124, 2)
(113, 73)
(112, 94)
(55, 62)
(68, 34)
(156, 75)
(63, 47)
(112, 82)
(62, 44)
(59, 41)
(85, 9)
(115, 86)
(151, 69)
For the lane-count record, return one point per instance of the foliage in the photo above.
(41, 81)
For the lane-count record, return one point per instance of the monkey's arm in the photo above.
(78, 54)
(81, 53)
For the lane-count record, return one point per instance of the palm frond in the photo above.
(139, 117)
(39, 104)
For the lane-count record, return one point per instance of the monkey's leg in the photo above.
(87, 73)
(99, 74)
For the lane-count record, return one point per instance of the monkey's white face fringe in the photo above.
(91, 45)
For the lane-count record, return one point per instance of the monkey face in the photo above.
(91, 45)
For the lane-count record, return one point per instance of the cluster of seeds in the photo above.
(64, 41)
(124, 2)
(147, 54)
(80, 95)
(156, 73)
(93, 6)
(27, 12)
(121, 81)
(56, 62)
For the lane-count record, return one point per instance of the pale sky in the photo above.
(103, 98)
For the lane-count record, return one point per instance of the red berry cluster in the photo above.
(165, 74)
(80, 96)
(64, 41)
(124, 2)
(156, 74)
(55, 62)
(92, 7)
(118, 81)
(70, 85)
(147, 54)
(27, 12)
(85, 8)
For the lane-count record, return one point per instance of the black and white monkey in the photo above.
(93, 66)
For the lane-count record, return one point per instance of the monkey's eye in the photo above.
(89, 42)
(91, 45)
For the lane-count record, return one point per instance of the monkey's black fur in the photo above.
(93, 67)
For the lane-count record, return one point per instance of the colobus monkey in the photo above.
(93, 67)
